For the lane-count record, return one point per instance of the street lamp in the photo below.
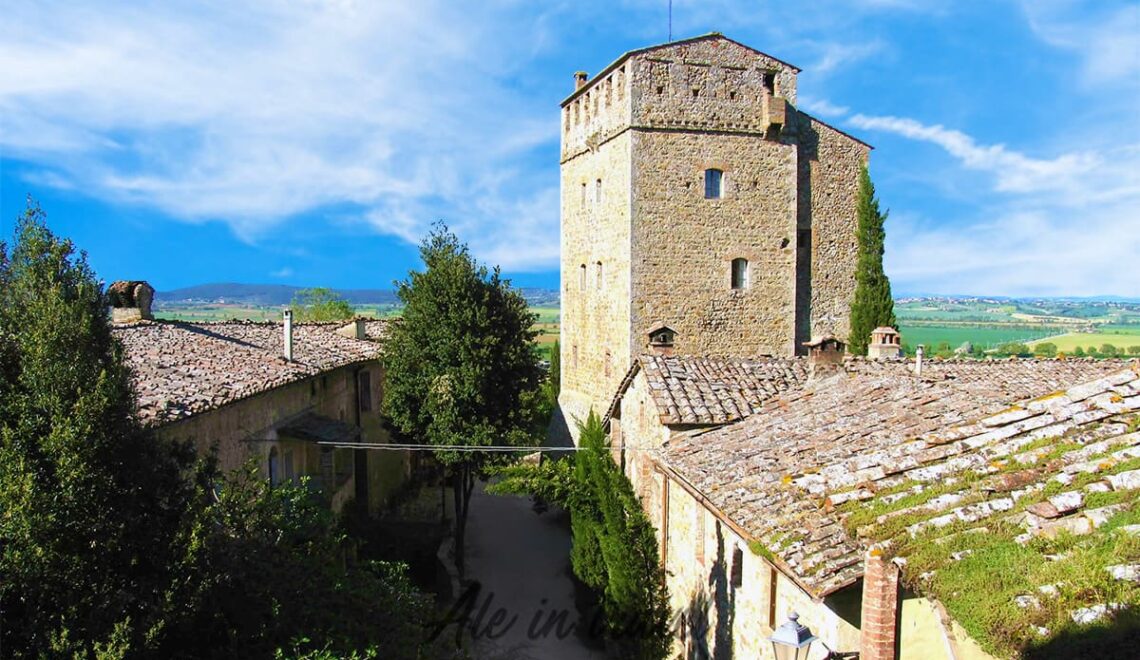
(792, 641)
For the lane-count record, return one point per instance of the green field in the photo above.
(1120, 339)
(930, 335)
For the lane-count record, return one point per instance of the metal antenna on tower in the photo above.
(670, 20)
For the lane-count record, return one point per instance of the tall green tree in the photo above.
(115, 542)
(873, 305)
(90, 502)
(461, 369)
(321, 304)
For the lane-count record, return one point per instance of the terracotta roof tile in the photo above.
(785, 473)
(181, 369)
(708, 390)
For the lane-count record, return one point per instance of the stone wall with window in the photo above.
(247, 430)
(675, 161)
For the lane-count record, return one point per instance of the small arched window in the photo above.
(740, 273)
(714, 184)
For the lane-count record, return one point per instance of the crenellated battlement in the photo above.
(708, 83)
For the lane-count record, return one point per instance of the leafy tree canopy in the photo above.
(321, 304)
(461, 367)
(114, 542)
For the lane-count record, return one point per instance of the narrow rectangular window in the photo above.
(598, 190)
(582, 277)
(365, 380)
(598, 275)
(583, 200)
(739, 273)
(714, 180)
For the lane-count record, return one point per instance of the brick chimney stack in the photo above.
(879, 630)
(130, 301)
(580, 78)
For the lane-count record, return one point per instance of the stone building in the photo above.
(698, 204)
(754, 471)
(229, 386)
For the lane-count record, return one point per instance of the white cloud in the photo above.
(1045, 226)
(1105, 35)
(822, 107)
(834, 56)
(282, 273)
(1013, 171)
(205, 112)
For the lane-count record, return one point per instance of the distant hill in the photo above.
(281, 294)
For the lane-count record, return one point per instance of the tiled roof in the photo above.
(707, 390)
(784, 474)
(181, 369)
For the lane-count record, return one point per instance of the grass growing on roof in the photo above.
(979, 589)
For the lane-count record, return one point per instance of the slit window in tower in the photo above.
(714, 183)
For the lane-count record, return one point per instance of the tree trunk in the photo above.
(464, 485)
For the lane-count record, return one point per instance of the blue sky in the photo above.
(313, 143)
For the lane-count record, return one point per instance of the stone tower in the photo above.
(702, 213)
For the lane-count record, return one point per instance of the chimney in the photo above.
(825, 356)
(580, 78)
(288, 335)
(661, 341)
(885, 343)
(918, 361)
(356, 329)
(880, 607)
(130, 301)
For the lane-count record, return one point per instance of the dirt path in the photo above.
(524, 606)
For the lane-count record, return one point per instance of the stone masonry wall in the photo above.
(595, 277)
(728, 606)
(683, 243)
(829, 165)
(245, 430)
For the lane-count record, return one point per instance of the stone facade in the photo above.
(250, 430)
(643, 244)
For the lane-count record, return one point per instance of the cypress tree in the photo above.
(873, 305)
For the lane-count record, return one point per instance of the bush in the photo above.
(1045, 349)
(1108, 350)
(1134, 350)
(1014, 349)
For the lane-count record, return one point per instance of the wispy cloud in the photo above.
(1044, 226)
(204, 112)
(1012, 171)
(822, 107)
(1106, 36)
(282, 273)
(834, 56)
